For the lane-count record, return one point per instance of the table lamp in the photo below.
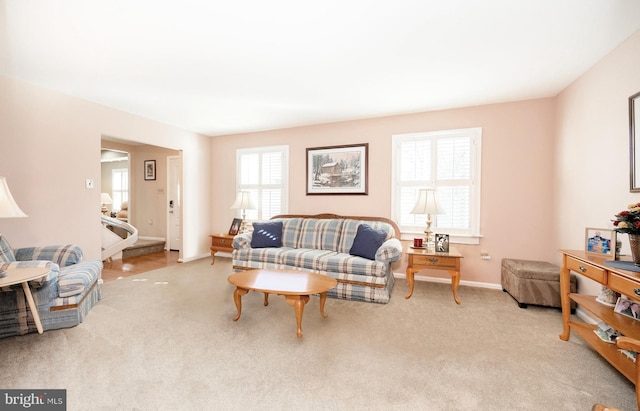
(105, 199)
(427, 204)
(243, 202)
(8, 207)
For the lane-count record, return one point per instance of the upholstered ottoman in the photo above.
(533, 282)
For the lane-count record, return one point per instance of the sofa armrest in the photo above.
(54, 271)
(63, 255)
(389, 251)
(242, 241)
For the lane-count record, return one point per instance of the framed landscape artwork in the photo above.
(338, 169)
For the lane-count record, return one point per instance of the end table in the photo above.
(220, 242)
(422, 259)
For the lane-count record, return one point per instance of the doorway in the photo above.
(174, 196)
(148, 195)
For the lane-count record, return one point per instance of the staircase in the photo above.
(143, 247)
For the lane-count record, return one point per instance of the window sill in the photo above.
(453, 239)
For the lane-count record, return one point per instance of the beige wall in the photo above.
(592, 164)
(517, 175)
(51, 144)
(551, 167)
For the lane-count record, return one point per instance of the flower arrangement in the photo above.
(628, 221)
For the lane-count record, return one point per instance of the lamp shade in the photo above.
(243, 201)
(8, 206)
(427, 202)
(105, 198)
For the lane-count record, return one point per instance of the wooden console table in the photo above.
(422, 259)
(220, 242)
(623, 281)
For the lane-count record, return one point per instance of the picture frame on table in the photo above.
(628, 308)
(149, 170)
(442, 243)
(235, 226)
(600, 241)
(338, 170)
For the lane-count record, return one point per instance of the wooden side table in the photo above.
(421, 259)
(220, 242)
(23, 276)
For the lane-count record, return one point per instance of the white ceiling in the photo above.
(225, 67)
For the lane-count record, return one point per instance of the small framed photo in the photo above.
(600, 241)
(149, 169)
(442, 243)
(627, 307)
(235, 226)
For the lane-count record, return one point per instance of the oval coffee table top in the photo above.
(283, 282)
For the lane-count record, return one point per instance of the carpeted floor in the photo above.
(164, 340)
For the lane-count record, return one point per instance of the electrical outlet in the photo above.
(89, 183)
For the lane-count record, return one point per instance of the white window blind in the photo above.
(448, 161)
(119, 187)
(262, 171)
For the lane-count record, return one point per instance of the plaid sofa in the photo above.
(64, 297)
(321, 244)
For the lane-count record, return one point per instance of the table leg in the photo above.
(565, 301)
(323, 299)
(266, 299)
(455, 281)
(32, 306)
(213, 257)
(298, 302)
(410, 279)
(237, 297)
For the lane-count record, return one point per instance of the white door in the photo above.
(174, 197)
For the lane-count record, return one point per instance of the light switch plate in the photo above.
(89, 183)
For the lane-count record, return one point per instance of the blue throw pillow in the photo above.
(267, 235)
(367, 242)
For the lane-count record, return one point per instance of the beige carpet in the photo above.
(165, 340)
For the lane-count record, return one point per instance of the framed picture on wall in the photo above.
(338, 169)
(600, 241)
(149, 169)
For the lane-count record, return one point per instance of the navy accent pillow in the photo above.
(367, 242)
(267, 235)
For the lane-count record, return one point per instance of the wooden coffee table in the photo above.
(295, 286)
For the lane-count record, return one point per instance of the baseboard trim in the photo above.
(448, 281)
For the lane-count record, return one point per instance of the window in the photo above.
(262, 171)
(119, 187)
(448, 161)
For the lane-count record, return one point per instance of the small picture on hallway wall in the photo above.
(601, 241)
(149, 169)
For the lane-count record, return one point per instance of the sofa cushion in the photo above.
(6, 252)
(367, 242)
(267, 234)
(320, 234)
(353, 266)
(350, 229)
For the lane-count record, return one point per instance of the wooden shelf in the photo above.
(609, 351)
(625, 325)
